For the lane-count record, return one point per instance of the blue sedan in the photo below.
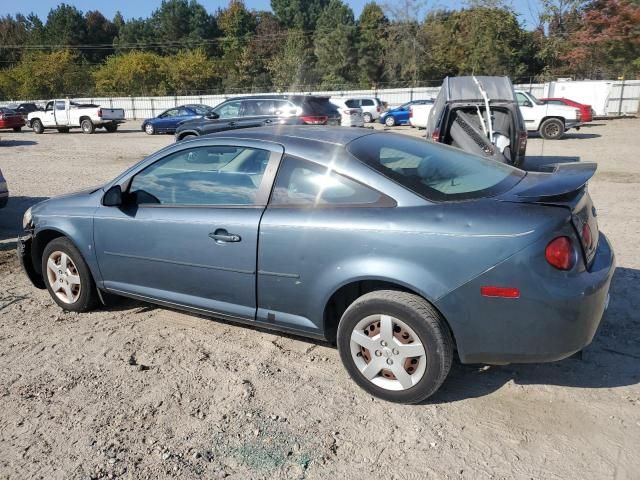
(400, 115)
(168, 121)
(404, 251)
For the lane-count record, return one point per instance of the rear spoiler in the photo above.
(565, 178)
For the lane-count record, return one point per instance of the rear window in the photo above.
(434, 171)
(319, 106)
(367, 103)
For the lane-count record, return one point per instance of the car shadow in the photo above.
(11, 215)
(536, 163)
(16, 143)
(612, 360)
(570, 135)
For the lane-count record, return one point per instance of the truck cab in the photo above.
(550, 120)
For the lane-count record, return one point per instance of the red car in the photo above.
(11, 119)
(585, 110)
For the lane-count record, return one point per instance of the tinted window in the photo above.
(302, 183)
(201, 109)
(319, 106)
(182, 111)
(202, 176)
(60, 105)
(367, 102)
(170, 113)
(351, 103)
(284, 108)
(229, 109)
(434, 171)
(260, 107)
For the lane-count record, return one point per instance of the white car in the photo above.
(419, 114)
(550, 120)
(64, 114)
(351, 116)
(371, 107)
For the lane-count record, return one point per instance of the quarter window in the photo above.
(215, 175)
(302, 183)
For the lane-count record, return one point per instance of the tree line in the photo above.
(182, 48)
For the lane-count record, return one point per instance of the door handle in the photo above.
(231, 124)
(268, 121)
(222, 236)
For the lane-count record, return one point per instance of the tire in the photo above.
(17, 129)
(37, 126)
(71, 286)
(149, 129)
(405, 313)
(87, 126)
(111, 127)
(390, 121)
(552, 129)
(367, 117)
(63, 130)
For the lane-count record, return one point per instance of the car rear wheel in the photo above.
(552, 129)
(395, 346)
(87, 126)
(67, 276)
(149, 129)
(37, 127)
(390, 121)
(367, 117)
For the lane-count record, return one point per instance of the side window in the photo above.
(60, 105)
(255, 108)
(367, 102)
(555, 102)
(229, 110)
(284, 108)
(351, 103)
(215, 175)
(522, 99)
(170, 113)
(49, 107)
(305, 184)
(201, 109)
(182, 111)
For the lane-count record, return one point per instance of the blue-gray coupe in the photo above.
(401, 250)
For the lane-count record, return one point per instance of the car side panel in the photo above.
(306, 254)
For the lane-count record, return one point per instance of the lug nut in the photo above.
(395, 351)
(389, 361)
(378, 353)
(383, 343)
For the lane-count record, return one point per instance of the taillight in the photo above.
(435, 135)
(314, 119)
(100, 113)
(1, 116)
(578, 115)
(410, 112)
(587, 237)
(503, 292)
(559, 253)
(522, 147)
(379, 109)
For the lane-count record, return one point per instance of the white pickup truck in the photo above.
(419, 114)
(551, 121)
(65, 114)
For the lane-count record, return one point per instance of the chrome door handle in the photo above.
(222, 236)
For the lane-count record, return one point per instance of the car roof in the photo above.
(275, 97)
(289, 134)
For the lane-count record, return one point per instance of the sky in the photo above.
(528, 9)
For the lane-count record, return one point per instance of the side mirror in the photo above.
(113, 197)
(212, 116)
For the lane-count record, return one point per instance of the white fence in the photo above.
(607, 97)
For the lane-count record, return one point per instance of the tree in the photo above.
(189, 71)
(372, 32)
(607, 42)
(182, 24)
(291, 67)
(13, 32)
(65, 26)
(44, 75)
(100, 31)
(334, 44)
(298, 14)
(133, 73)
(237, 25)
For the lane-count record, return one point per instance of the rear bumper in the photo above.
(25, 255)
(552, 320)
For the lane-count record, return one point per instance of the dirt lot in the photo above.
(136, 391)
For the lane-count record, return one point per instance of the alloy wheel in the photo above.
(63, 277)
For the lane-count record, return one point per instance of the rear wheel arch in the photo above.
(349, 292)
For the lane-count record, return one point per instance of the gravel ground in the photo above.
(136, 391)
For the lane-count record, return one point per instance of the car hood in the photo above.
(81, 198)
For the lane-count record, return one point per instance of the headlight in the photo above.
(26, 219)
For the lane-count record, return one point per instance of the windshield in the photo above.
(434, 171)
(534, 99)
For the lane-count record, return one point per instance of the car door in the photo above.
(61, 113)
(528, 110)
(228, 115)
(255, 113)
(166, 119)
(186, 233)
(48, 116)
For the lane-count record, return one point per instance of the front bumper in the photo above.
(556, 316)
(27, 259)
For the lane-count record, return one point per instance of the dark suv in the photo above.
(262, 110)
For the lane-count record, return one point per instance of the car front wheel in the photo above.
(67, 276)
(390, 121)
(149, 130)
(395, 346)
(367, 118)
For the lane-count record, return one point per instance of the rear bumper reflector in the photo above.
(502, 292)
